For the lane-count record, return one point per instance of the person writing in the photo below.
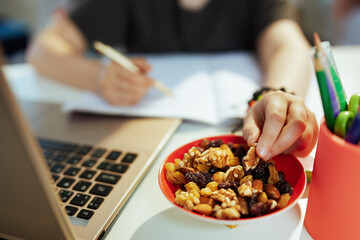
(280, 122)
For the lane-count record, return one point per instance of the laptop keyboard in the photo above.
(84, 175)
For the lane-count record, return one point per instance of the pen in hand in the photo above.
(125, 62)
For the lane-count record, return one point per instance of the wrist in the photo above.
(257, 95)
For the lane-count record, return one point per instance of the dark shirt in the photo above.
(162, 26)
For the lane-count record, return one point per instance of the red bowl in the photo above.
(289, 164)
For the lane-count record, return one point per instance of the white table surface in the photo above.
(147, 214)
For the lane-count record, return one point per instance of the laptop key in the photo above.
(72, 171)
(101, 190)
(88, 174)
(98, 152)
(60, 157)
(74, 160)
(59, 146)
(65, 195)
(82, 186)
(129, 157)
(70, 210)
(57, 168)
(104, 166)
(48, 154)
(108, 178)
(55, 177)
(89, 163)
(85, 214)
(120, 168)
(84, 150)
(65, 182)
(95, 203)
(80, 199)
(113, 155)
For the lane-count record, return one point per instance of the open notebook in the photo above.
(209, 88)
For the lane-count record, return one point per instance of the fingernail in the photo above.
(268, 157)
(263, 152)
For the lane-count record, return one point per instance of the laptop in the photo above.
(66, 176)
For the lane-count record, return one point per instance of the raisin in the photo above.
(197, 178)
(258, 209)
(208, 177)
(284, 187)
(224, 185)
(240, 152)
(261, 171)
(232, 185)
(281, 175)
(216, 143)
(253, 199)
(213, 170)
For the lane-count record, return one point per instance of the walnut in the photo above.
(227, 213)
(186, 200)
(245, 188)
(190, 156)
(251, 160)
(222, 194)
(234, 173)
(217, 157)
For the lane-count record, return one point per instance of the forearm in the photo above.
(69, 68)
(285, 57)
(289, 67)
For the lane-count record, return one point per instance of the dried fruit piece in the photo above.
(273, 175)
(204, 209)
(197, 178)
(284, 200)
(284, 187)
(257, 209)
(219, 177)
(257, 186)
(205, 192)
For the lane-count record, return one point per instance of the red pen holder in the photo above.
(333, 207)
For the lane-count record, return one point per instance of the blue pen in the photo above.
(353, 134)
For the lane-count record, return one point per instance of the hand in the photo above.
(280, 123)
(122, 87)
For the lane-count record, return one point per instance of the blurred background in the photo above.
(337, 21)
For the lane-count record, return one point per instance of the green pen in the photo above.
(324, 93)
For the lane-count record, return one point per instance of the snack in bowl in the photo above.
(222, 178)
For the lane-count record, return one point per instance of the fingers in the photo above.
(292, 131)
(122, 87)
(281, 124)
(276, 107)
(142, 64)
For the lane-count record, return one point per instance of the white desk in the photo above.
(147, 214)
